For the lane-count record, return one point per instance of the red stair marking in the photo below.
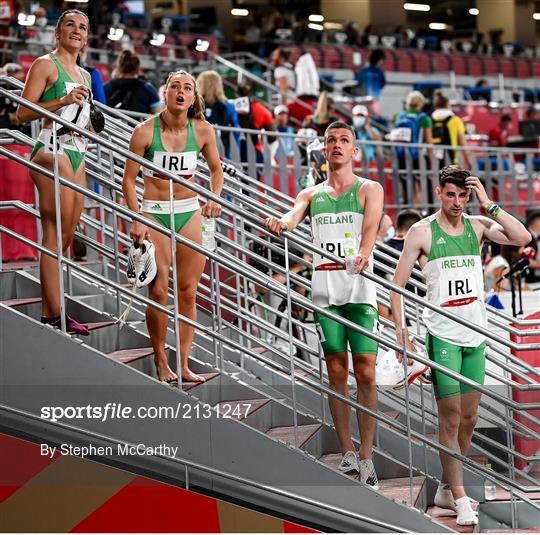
(131, 355)
(286, 433)
(227, 408)
(21, 301)
(398, 488)
(448, 518)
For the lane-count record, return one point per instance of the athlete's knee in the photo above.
(187, 295)
(364, 373)
(158, 291)
(449, 422)
(337, 372)
(468, 421)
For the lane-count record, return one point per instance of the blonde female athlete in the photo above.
(173, 140)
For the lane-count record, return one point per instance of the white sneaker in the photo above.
(414, 371)
(141, 264)
(388, 370)
(349, 463)
(465, 514)
(368, 475)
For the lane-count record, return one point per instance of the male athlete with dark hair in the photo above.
(447, 246)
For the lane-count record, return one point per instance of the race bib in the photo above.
(179, 163)
(458, 291)
(242, 105)
(49, 144)
(402, 135)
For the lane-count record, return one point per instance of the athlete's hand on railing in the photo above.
(139, 232)
(76, 96)
(410, 346)
(474, 184)
(275, 225)
(361, 263)
(211, 209)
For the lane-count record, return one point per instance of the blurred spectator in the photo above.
(281, 115)
(482, 82)
(402, 37)
(323, 116)
(372, 79)
(532, 114)
(498, 266)
(365, 131)
(368, 31)
(533, 226)
(98, 89)
(127, 91)
(252, 115)
(479, 45)
(498, 135)
(412, 126)
(448, 129)
(218, 110)
(351, 30)
(284, 72)
(8, 108)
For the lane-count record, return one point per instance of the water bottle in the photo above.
(209, 233)
(490, 490)
(351, 252)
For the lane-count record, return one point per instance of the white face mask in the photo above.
(390, 233)
(41, 22)
(359, 121)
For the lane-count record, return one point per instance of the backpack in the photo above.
(407, 130)
(123, 99)
(441, 136)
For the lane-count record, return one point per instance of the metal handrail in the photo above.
(145, 164)
(208, 469)
(163, 309)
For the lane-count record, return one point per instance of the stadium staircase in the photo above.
(258, 431)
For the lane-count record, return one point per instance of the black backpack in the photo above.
(123, 98)
(441, 136)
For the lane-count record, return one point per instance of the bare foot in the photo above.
(165, 373)
(190, 377)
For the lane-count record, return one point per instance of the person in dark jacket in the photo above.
(127, 91)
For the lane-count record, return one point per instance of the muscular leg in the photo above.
(337, 365)
(155, 319)
(469, 416)
(449, 424)
(71, 207)
(190, 265)
(364, 372)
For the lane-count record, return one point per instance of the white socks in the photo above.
(465, 514)
(444, 498)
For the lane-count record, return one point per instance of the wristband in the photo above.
(494, 210)
(488, 205)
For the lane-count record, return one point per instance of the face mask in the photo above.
(41, 22)
(390, 233)
(359, 121)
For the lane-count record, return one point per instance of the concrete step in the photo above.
(448, 518)
(21, 301)
(126, 356)
(286, 433)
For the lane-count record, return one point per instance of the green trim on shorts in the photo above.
(180, 220)
(335, 337)
(468, 361)
(75, 157)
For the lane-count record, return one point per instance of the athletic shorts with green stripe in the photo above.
(336, 337)
(467, 361)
